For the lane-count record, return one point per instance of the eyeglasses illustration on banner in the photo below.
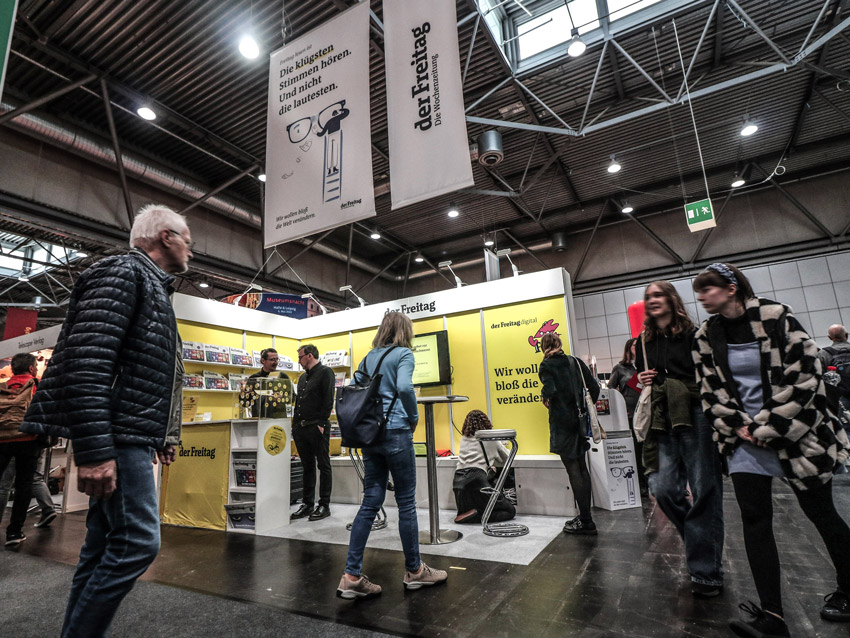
(628, 473)
(328, 125)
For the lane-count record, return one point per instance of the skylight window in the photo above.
(25, 259)
(554, 27)
(621, 8)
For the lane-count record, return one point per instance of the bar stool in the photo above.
(507, 528)
(380, 521)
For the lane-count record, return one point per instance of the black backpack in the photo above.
(360, 408)
(841, 361)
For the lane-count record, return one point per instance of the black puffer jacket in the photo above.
(111, 377)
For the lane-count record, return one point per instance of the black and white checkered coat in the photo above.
(794, 420)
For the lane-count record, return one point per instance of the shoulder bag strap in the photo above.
(643, 347)
(377, 368)
(380, 361)
(484, 450)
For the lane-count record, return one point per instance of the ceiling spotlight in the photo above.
(738, 181)
(261, 177)
(419, 258)
(81, 254)
(248, 47)
(749, 128)
(576, 46)
(453, 211)
(627, 208)
(375, 234)
(614, 166)
(488, 241)
(146, 113)
(203, 284)
(23, 277)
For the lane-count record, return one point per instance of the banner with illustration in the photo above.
(318, 142)
(294, 306)
(195, 485)
(429, 146)
(513, 335)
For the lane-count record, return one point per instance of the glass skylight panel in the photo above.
(621, 8)
(553, 28)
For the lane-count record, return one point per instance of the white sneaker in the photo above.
(427, 576)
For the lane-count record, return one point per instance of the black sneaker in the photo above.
(762, 624)
(46, 519)
(578, 526)
(837, 607)
(702, 590)
(15, 539)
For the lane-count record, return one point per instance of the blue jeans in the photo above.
(393, 455)
(688, 456)
(122, 540)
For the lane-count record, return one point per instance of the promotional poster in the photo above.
(318, 142)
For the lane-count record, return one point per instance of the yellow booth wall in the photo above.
(512, 335)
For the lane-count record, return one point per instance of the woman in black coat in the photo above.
(563, 395)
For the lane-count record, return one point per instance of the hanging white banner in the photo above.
(318, 141)
(429, 147)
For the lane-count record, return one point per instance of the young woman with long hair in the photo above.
(563, 395)
(679, 452)
(762, 387)
(392, 455)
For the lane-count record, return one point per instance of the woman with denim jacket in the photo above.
(679, 452)
(761, 386)
(391, 455)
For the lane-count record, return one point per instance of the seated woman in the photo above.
(470, 483)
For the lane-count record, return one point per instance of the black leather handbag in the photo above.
(360, 408)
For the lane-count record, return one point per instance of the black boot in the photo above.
(761, 625)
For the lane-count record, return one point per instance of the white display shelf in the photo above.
(244, 449)
(211, 364)
(205, 390)
(244, 490)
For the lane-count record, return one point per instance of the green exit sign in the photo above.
(700, 215)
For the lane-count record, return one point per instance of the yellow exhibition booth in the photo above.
(493, 331)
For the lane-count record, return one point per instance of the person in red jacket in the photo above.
(24, 448)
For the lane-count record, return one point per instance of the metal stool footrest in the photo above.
(507, 528)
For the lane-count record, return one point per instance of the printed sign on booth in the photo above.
(513, 335)
(318, 143)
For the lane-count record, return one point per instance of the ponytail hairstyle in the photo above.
(551, 344)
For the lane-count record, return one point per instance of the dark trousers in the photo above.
(580, 482)
(754, 496)
(25, 454)
(314, 450)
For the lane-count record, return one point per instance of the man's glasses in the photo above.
(189, 245)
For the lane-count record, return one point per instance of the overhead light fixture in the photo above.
(358, 297)
(23, 277)
(81, 254)
(488, 240)
(506, 252)
(203, 284)
(261, 177)
(310, 295)
(146, 113)
(738, 181)
(576, 46)
(419, 258)
(375, 234)
(614, 166)
(448, 264)
(453, 211)
(248, 47)
(627, 207)
(749, 127)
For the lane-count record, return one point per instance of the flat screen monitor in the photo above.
(433, 367)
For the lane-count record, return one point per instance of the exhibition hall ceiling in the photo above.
(182, 60)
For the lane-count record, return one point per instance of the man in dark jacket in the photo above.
(311, 431)
(113, 387)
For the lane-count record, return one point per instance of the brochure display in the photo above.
(613, 467)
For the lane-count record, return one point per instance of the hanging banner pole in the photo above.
(318, 142)
(429, 145)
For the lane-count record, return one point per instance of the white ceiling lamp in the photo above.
(576, 46)
(81, 254)
(248, 47)
(453, 211)
(738, 181)
(261, 177)
(627, 207)
(375, 234)
(146, 113)
(488, 241)
(614, 166)
(749, 127)
(203, 284)
(419, 258)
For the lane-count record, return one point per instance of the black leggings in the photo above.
(753, 492)
(580, 482)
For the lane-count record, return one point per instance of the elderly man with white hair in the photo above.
(113, 387)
